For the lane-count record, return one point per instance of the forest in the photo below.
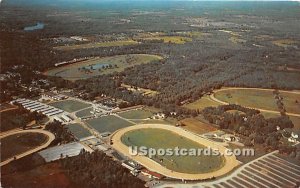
(254, 128)
(98, 170)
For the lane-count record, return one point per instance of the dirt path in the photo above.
(212, 96)
(230, 162)
(51, 137)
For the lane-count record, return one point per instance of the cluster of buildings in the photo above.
(54, 96)
(49, 111)
(39, 107)
(135, 169)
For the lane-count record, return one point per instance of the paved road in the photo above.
(212, 96)
(51, 137)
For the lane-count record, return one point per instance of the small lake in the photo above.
(38, 26)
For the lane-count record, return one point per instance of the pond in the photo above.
(38, 26)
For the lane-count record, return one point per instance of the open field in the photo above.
(289, 101)
(98, 66)
(108, 123)
(16, 144)
(285, 43)
(97, 45)
(169, 39)
(83, 113)
(78, 131)
(196, 126)
(201, 103)
(70, 105)
(136, 114)
(180, 167)
(259, 98)
(249, 98)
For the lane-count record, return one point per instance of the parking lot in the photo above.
(267, 171)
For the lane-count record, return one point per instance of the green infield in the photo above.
(136, 114)
(161, 138)
(108, 123)
(258, 98)
(78, 131)
(98, 66)
(201, 103)
(19, 143)
(263, 99)
(291, 102)
(70, 105)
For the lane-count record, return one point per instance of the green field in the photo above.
(98, 66)
(70, 105)
(136, 114)
(263, 99)
(108, 124)
(84, 113)
(289, 101)
(161, 138)
(249, 98)
(169, 39)
(78, 131)
(19, 143)
(97, 45)
(201, 103)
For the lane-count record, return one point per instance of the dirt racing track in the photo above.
(212, 97)
(50, 136)
(230, 161)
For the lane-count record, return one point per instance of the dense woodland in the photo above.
(19, 118)
(98, 170)
(253, 127)
(61, 132)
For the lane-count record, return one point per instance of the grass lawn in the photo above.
(196, 126)
(160, 138)
(97, 45)
(78, 131)
(249, 98)
(70, 105)
(289, 101)
(19, 143)
(108, 123)
(136, 114)
(98, 66)
(201, 103)
(84, 113)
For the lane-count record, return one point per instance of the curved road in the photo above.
(212, 96)
(51, 137)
